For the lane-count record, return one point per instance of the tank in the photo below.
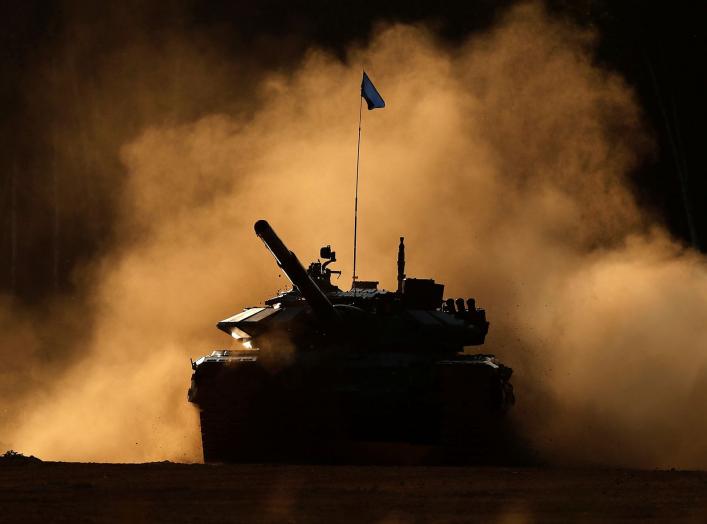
(366, 374)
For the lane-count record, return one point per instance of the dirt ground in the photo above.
(165, 492)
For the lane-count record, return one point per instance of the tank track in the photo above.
(259, 422)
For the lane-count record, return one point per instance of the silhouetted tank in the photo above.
(325, 374)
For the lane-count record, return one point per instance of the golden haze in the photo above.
(503, 163)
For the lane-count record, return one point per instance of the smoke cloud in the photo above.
(504, 163)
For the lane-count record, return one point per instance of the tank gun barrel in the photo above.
(293, 269)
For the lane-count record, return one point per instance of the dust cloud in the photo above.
(504, 163)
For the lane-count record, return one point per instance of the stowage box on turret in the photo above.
(325, 374)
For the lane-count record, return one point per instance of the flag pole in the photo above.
(358, 156)
(13, 230)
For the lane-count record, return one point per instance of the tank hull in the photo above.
(353, 407)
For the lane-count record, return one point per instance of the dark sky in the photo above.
(658, 48)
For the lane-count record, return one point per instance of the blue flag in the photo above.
(370, 94)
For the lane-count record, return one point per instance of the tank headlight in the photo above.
(239, 334)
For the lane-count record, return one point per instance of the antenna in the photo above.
(401, 264)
